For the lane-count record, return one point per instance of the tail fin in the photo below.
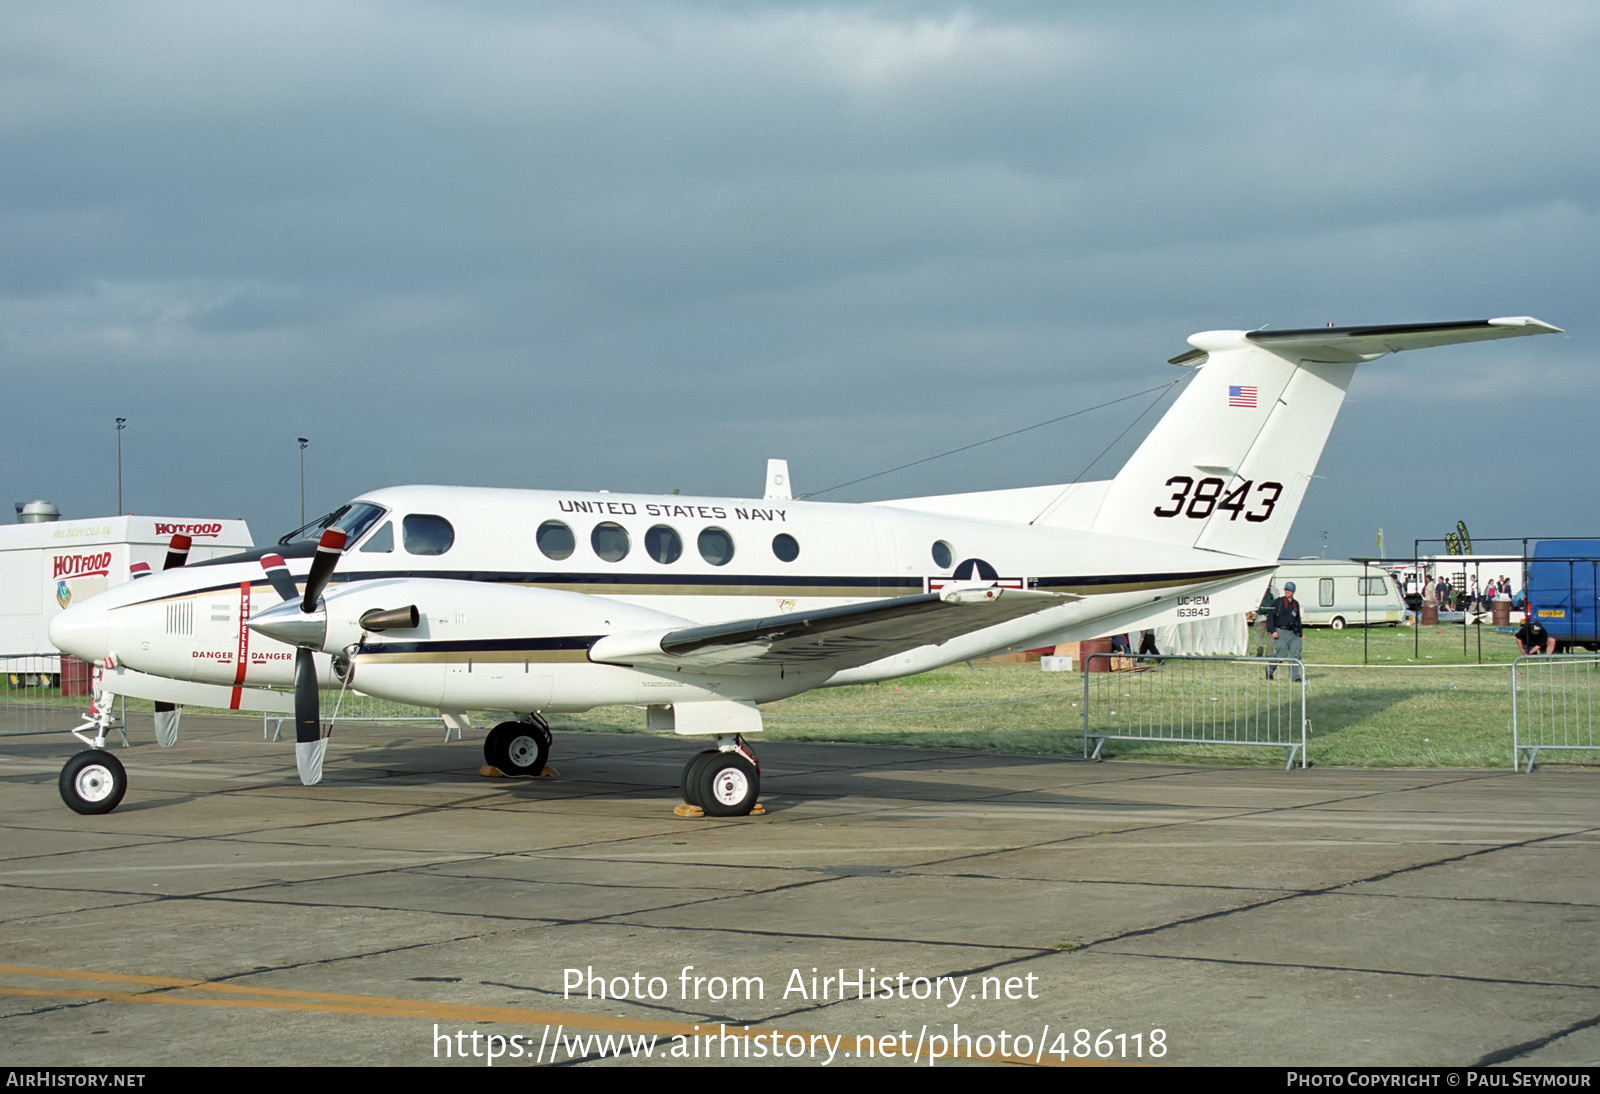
(1227, 466)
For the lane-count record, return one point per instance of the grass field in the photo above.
(1385, 697)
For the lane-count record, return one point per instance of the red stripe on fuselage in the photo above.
(244, 645)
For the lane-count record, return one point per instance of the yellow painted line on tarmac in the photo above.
(381, 1006)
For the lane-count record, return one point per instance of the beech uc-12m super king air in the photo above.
(534, 602)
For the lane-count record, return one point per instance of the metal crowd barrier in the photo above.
(42, 693)
(37, 689)
(1195, 700)
(1552, 705)
(353, 706)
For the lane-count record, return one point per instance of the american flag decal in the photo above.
(1242, 395)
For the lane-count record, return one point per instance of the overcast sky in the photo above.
(644, 246)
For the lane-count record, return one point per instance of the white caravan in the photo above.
(1338, 592)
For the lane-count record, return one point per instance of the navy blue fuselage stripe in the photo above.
(486, 645)
(1147, 579)
(900, 585)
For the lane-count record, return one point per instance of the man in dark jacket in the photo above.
(1533, 638)
(1284, 620)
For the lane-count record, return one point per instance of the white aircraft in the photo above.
(701, 609)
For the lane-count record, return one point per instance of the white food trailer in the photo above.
(47, 564)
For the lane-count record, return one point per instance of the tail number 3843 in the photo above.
(1200, 499)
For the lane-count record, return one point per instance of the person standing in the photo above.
(1286, 630)
(1263, 624)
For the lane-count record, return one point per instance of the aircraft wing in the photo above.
(828, 639)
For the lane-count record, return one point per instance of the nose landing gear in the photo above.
(94, 781)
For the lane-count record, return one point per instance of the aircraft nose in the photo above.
(83, 631)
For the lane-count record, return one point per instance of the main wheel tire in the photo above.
(518, 749)
(728, 785)
(1338, 623)
(691, 776)
(93, 782)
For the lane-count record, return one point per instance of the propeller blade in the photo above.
(309, 744)
(138, 570)
(308, 760)
(307, 702)
(278, 573)
(178, 552)
(329, 548)
(167, 715)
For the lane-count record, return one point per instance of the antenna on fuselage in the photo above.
(778, 481)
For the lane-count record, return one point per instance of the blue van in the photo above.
(1562, 591)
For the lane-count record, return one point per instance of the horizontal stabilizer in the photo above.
(1350, 344)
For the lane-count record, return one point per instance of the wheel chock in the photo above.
(686, 810)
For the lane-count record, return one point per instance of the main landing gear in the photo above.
(519, 749)
(724, 781)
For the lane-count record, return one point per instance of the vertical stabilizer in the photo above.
(1228, 465)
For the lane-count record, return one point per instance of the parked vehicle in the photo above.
(1562, 591)
(1338, 592)
(47, 563)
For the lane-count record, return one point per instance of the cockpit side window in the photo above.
(427, 534)
(357, 518)
(353, 520)
(381, 541)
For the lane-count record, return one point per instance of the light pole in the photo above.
(121, 422)
(303, 442)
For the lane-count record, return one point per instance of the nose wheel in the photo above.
(93, 782)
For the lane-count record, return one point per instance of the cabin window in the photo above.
(716, 546)
(1325, 592)
(555, 540)
(943, 554)
(663, 544)
(1371, 586)
(427, 534)
(786, 547)
(610, 541)
(381, 541)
